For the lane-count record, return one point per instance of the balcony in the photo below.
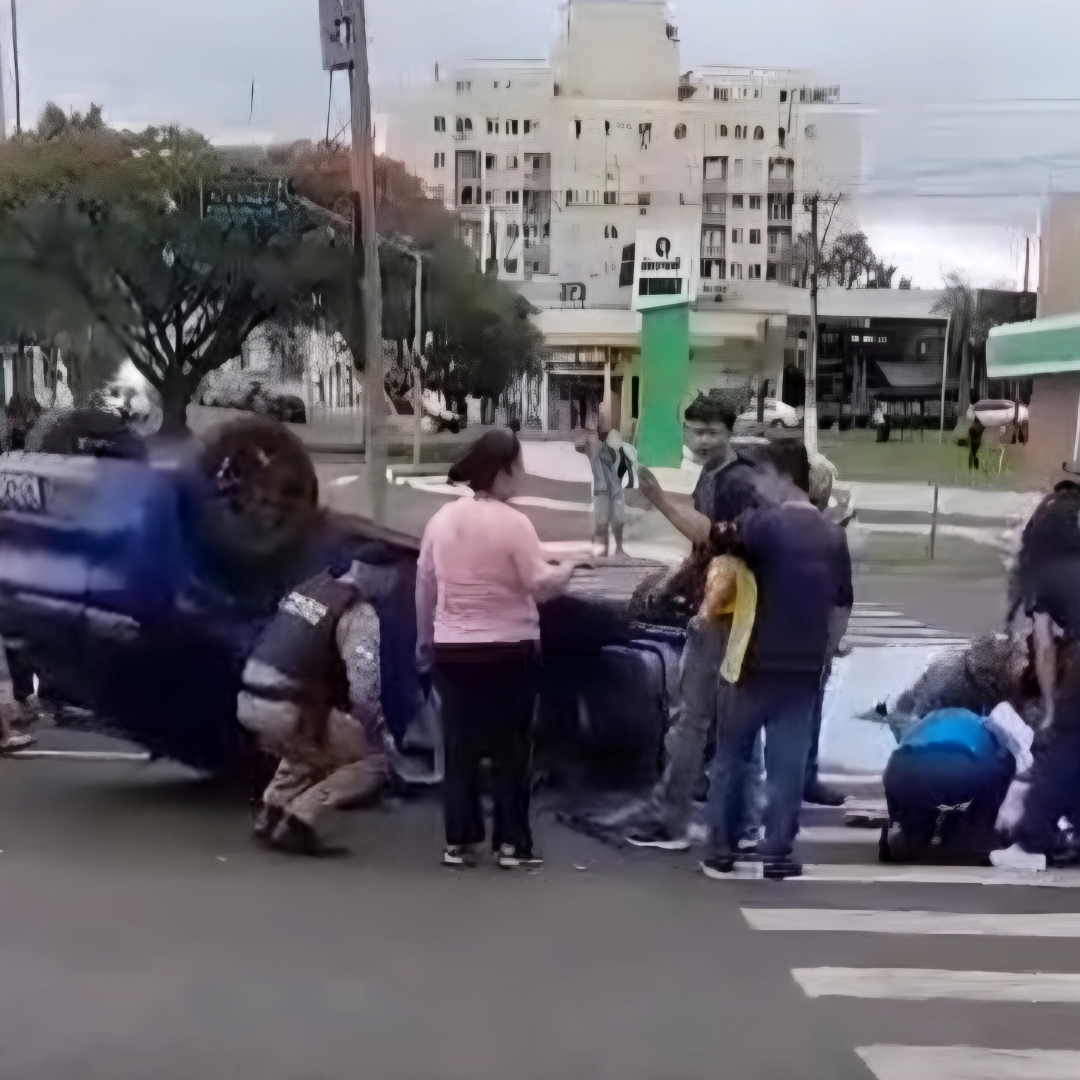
(778, 186)
(715, 217)
(464, 136)
(537, 180)
(716, 252)
(715, 187)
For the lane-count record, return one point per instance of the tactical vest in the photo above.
(301, 643)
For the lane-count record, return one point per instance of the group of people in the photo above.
(752, 672)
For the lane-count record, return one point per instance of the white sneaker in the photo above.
(1016, 858)
(16, 742)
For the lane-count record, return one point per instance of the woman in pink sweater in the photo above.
(480, 574)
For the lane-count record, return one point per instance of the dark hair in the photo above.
(705, 410)
(494, 452)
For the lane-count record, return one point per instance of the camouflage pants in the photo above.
(315, 775)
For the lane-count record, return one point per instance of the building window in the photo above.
(493, 127)
(780, 137)
(680, 131)
(723, 131)
(528, 126)
(759, 132)
(511, 127)
(440, 123)
(645, 131)
(753, 271)
(489, 162)
(736, 202)
(466, 195)
(459, 125)
(738, 168)
(511, 161)
(577, 129)
(737, 236)
(757, 170)
(513, 230)
(735, 271)
(755, 202)
(610, 198)
(783, 96)
(440, 161)
(720, 93)
(644, 198)
(512, 198)
(738, 131)
(611, 232)
(755, 236)
(635, 396)
(468, 124)
(463, 87)
(569, 197)
(643, 212)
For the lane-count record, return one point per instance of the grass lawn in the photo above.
(919, 457)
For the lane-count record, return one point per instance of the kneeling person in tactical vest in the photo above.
(311, 695)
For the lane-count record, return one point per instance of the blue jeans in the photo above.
(702, 703)
(782, 703)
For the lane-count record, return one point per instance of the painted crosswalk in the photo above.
(962, 974)
(873, 625)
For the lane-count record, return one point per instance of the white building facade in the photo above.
(554, 166)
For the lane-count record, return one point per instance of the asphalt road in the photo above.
(145, 938)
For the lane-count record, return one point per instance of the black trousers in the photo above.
(488, 693)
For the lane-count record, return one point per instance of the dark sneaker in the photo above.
(509, 858)
(460, 855)
(296, 837)
(658, 836)
(820, 794)
(778, 869)
(718, 867)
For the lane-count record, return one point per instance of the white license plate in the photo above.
(22, 492)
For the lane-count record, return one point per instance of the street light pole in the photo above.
(810, 417)
(15, 58)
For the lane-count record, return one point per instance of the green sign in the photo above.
(665, 369)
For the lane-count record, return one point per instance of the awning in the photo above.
(621, 328)
(1039, 347)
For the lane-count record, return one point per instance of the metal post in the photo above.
(810, 416)
(366, 244)
(15, 57)
(944, 375)
(418, 348)
(544, 401)
(933, 523)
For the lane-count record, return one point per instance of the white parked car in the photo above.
(997, 413)
(777, 414)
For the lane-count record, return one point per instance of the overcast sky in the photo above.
(977, 102)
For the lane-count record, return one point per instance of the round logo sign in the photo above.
(663, 247)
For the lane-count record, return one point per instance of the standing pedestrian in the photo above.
(480, 574)
(605, 453)
(729, 485)
(975, 438)
(802, 567)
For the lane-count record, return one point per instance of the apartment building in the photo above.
(555, 165)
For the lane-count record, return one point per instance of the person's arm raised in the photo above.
(693, 524)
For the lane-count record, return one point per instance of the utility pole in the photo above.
(418, 352)
(1027, 261)
(810, 418)
(344, 40)
(3, 111)
(15, 56)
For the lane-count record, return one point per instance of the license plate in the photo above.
(22, 492)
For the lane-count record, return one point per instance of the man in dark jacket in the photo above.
(311, 695)
(803, 571)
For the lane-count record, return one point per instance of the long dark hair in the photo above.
(495, 451)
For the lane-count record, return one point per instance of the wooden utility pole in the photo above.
(1027, 261)
(810, 418)
(15, 58)
(344, 39)
(3, 111)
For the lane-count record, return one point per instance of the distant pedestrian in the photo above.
(480, 574)
(609, 459)
(802, 567)
(975, 438)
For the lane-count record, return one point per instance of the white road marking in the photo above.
(816, 920)
(81, 755)
(968, 1063)
(883, 873)
(838, 834)
(926, 984)
(344, 481)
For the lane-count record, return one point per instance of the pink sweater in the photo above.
(481, 571)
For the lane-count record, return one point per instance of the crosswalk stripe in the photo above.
(837, 834)
(884, 873)
(815, 920)
(968, 1063)
(925, 984)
